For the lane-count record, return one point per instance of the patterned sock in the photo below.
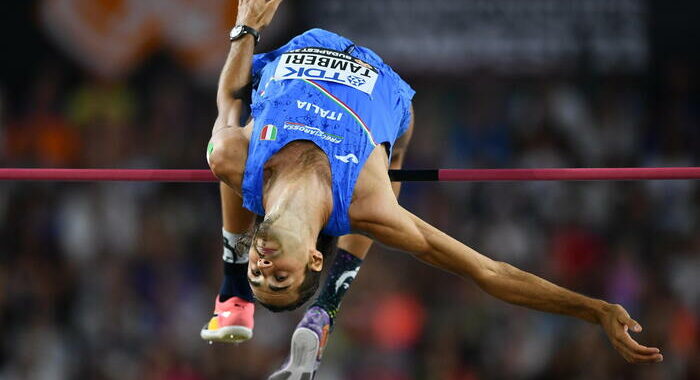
(235, 271)
(342, 273)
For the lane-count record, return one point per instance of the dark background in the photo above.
(114, 280)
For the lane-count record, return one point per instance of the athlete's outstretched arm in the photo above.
(228, 146)
(401, 229)
(236, 73)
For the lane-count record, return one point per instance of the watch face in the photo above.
(236, 31)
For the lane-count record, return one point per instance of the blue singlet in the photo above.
(320, 87)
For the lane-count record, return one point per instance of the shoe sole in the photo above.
(227, 334)
(302, 360)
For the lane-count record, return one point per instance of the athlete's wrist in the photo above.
(601, 309)
(244, 38)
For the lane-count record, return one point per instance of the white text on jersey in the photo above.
(326, 114)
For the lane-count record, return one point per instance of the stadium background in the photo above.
(114, 280)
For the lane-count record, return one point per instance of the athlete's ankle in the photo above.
(235, 283)
(342, 273)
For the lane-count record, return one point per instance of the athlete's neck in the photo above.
(299, 199)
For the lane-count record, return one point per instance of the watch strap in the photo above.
(245, 29)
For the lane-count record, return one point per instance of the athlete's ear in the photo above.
(316, 260)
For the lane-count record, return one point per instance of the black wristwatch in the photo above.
(239, 31)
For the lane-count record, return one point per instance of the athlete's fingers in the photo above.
(644, 359)
(634, 352)
(628, 322)
(625, 339)
(619, 333)
(632, 357)
(636, 357)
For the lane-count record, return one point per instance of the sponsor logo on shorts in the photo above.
(348, 158)
(327, 65)
(268, 133)
(313, 131)
(326, 114)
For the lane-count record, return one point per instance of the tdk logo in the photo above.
(327, 65)
(311, 73)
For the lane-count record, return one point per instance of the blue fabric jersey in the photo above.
(321, 88)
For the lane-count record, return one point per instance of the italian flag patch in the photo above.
(269, 132)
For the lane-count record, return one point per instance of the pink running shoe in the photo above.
(232, 321)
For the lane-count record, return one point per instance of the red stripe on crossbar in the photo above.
(578, 174)
(184, 175)
(152, 175)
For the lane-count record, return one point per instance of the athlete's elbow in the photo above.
(220, 158)
(217, 162)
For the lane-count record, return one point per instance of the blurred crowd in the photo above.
(114, 280)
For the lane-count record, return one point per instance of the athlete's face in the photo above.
(277, 268)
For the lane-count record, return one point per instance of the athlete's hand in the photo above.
(617, 322)
(256, 13)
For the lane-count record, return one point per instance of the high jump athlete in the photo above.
(328, 118)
